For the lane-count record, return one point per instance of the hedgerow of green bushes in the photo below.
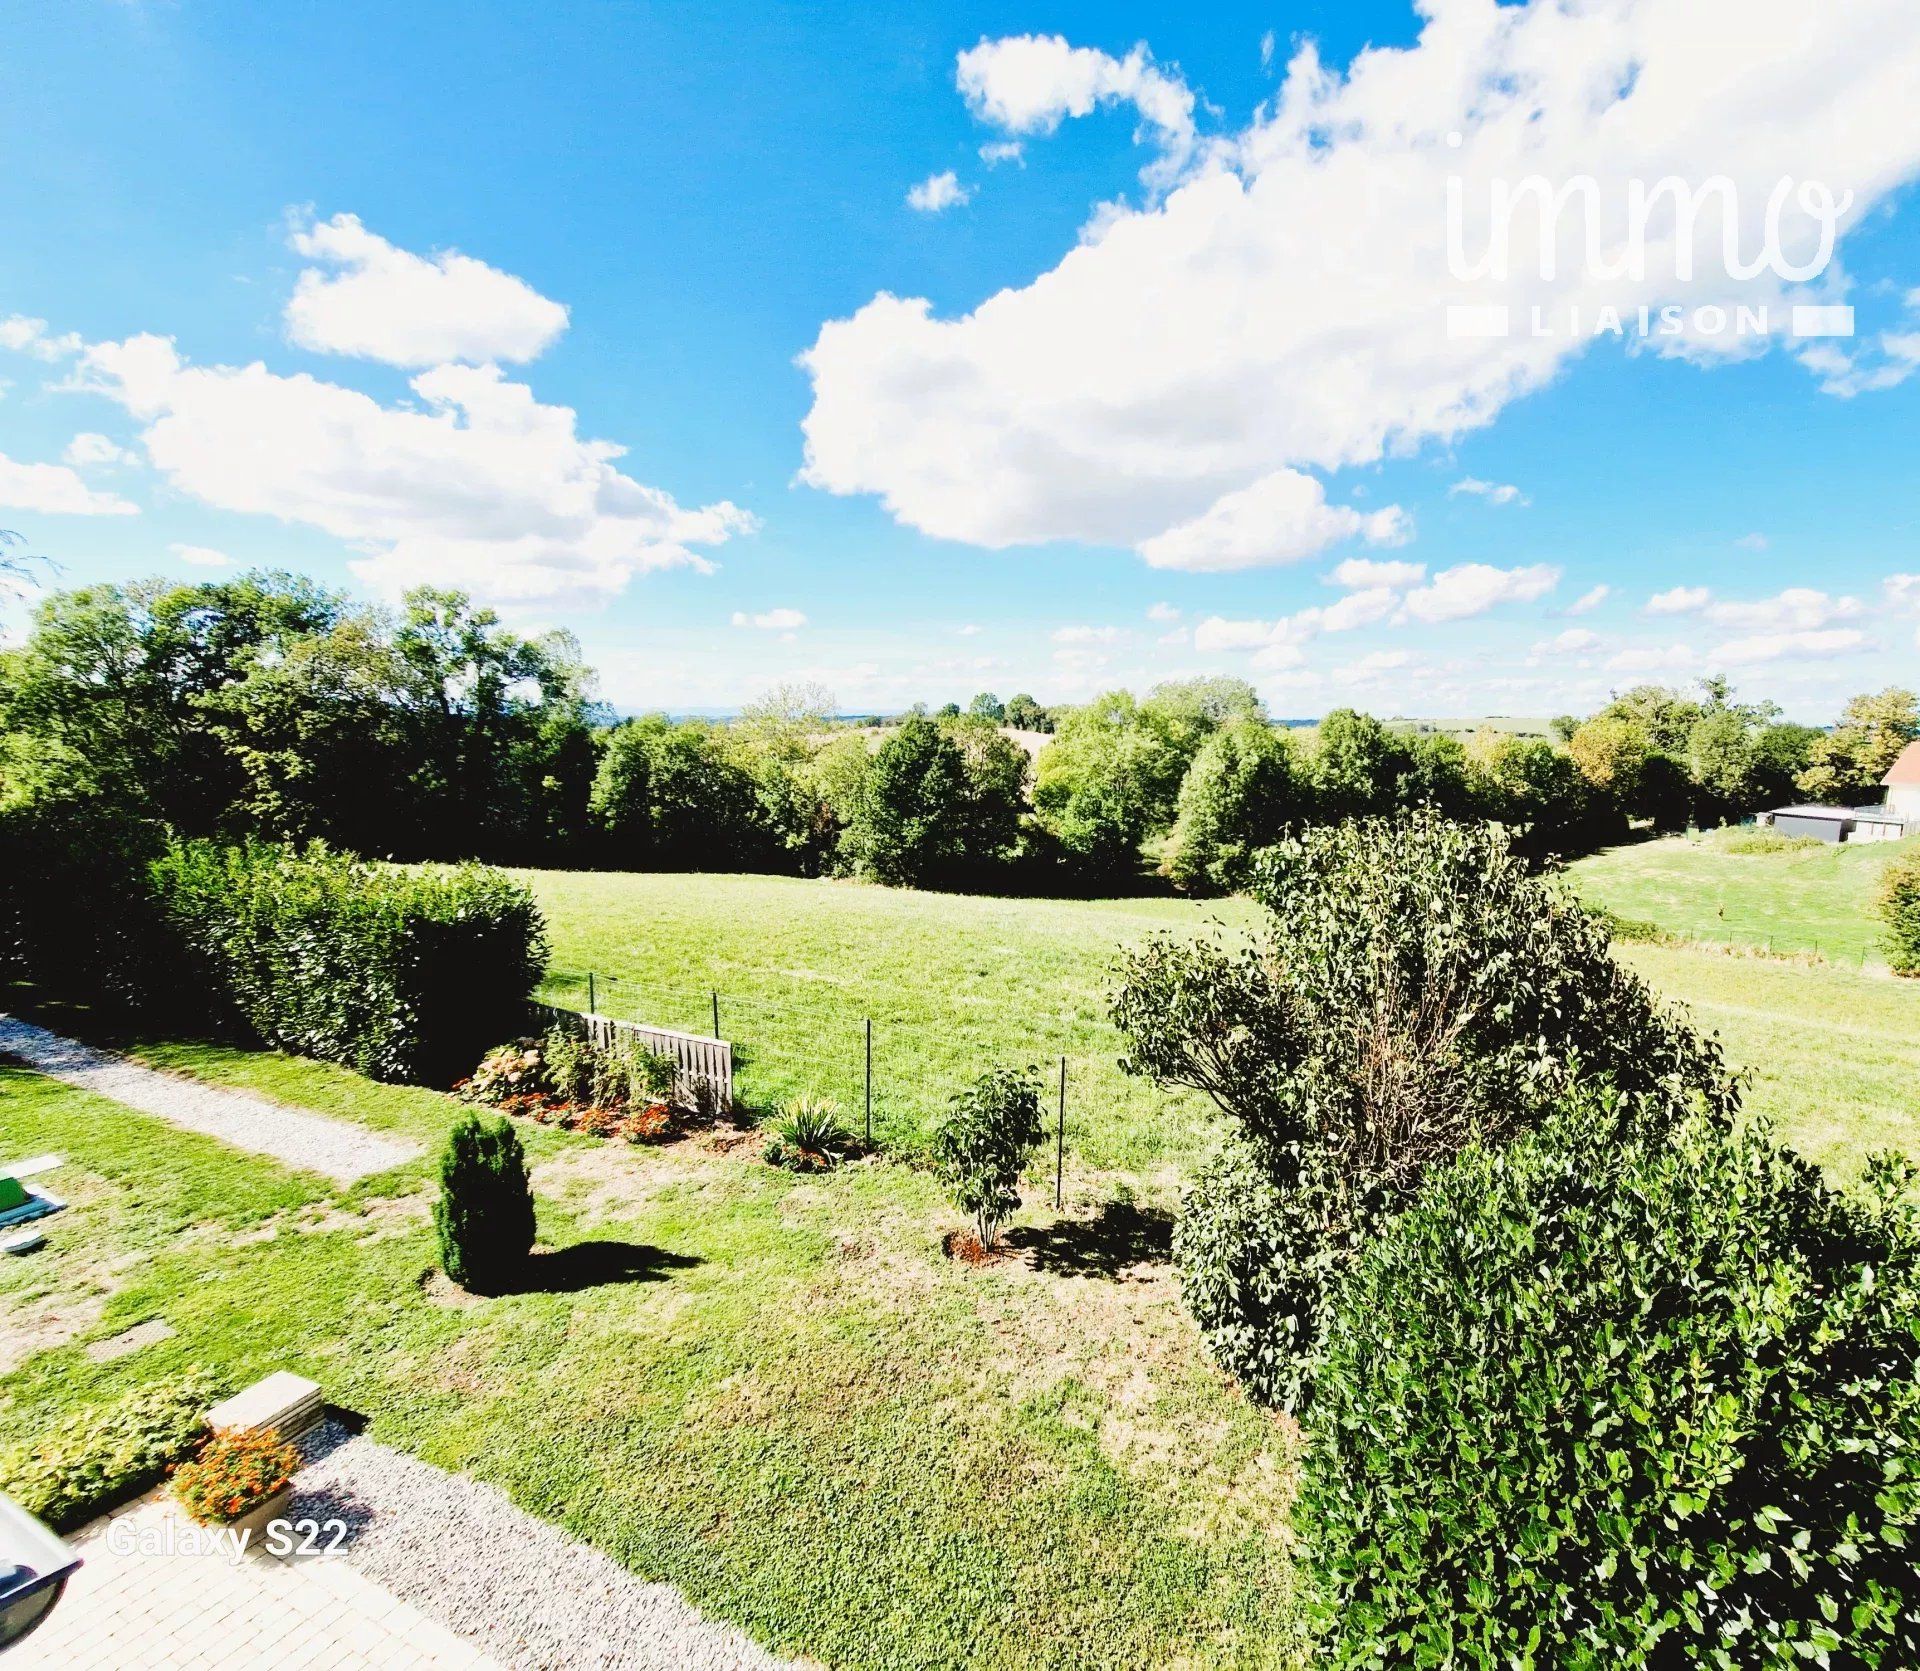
(1592, 1402)
(399, 972)
(98, 1459)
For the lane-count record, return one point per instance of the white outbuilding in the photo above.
(1903, 786)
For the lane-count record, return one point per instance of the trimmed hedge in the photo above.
(98, 1459)
(402, 972)
(1589, 1402)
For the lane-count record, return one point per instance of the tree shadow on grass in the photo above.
(1119, 1237)
(568, 1270)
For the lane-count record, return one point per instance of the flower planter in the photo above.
(255, 1521)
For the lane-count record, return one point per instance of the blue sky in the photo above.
(1217, 370)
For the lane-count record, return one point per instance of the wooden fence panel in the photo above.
(704, 1077)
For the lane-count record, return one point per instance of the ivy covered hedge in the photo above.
(1588, 1402)
(98, 1459)
(401, 972)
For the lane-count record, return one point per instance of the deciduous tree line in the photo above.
(269, 706)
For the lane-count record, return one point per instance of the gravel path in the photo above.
(519, 1589)
(309, 1142)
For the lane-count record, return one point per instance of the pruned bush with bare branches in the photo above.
(1417, 987)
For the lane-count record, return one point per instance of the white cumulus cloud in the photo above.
(1026, 84)
(479, 485)
(771, 620)
(1282, 304)
(1592, 598)
(21, 335)
(1678, 600)
(1281, 518)
(88, 449)
(937, 192)
(1797, 609)
(1781, 646)
(1358, 573)
(55, 490)
(371, 299)
(1495, 493)
(1474, 588)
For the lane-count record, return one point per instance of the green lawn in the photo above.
(1801, 900)
(953, 983)
(1832, 1055)
(777, 1392)
(774, 1392)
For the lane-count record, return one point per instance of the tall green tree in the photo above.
(1848, 764)
(916, 819)
(1242, 792)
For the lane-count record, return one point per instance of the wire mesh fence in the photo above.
(891, 1066)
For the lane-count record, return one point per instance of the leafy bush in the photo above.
(96, 1460)
(1634, 930)
(990, 1131)
(1417, 989)
(1639, 1404)
(808, 1137)
(1761, 838)
(526, 1067)
(1900, 911)
(484, 1213)
(236, 1471)
(400, 972)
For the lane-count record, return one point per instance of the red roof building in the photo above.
(1903, 785)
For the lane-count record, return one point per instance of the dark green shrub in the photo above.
(1256, 1244)
(990, 1131)
(1900, 911)
(1591, 1403)
(403, 972)
(98, 1459)
(1418, 988)
(484, 1213)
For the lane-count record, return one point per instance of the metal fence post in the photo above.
(869, 1082)
(1060, 1143)
(591, 1006)
(716, 1014)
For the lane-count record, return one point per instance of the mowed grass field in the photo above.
(775, 1392)
(1802, 899)
(958, 982)
(953, 983)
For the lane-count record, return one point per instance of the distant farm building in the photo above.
(1899, 816)
(1903, 786)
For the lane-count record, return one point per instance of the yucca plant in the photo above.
(808, 1136)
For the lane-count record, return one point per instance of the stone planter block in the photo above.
(284, 1403)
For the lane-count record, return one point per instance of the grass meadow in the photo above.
(953, 983)
(776, 1391)
(1799, 899)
